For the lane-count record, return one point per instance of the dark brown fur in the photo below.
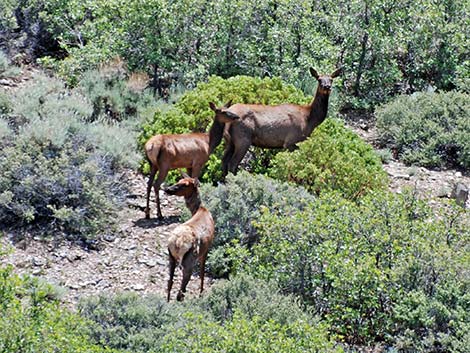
(275, 126)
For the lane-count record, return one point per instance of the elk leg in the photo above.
(153, 171)
(237, 157)
(226, 159)
(161, 177)
(187, 264)
(190, 172)
(172, 273)
(201, 272)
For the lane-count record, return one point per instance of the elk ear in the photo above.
(314, 73)
(196, 182)
(228, 104)
(212, 106)
(337, 72)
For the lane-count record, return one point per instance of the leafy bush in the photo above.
(236, 204)
(252, 298)
(242, 315)
(59, 171)
(6, 69)
(31, 319)
(113, 93)
(428, 129)
(383, 269)
(246, 335)
(332, 159)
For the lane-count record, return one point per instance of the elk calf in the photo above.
(190, 151)
(190, 241)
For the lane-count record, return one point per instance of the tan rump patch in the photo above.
(181, 241)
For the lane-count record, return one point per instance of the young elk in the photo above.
(275, 126)
(190, 151)
(191, 240)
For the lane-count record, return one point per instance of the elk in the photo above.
(190, 151)
(275, 126)
(191, 240)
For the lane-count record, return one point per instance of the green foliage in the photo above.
(31, 319)
(332, 159)
(386, 47)
(241, 315)
(360, 265)
(114, 94)
(235, 204)
(428, 129)
(7, 70)
(192, 113)
(246, 335)
(253, 298)
(59, 171)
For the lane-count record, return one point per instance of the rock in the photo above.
(444, 191)
(138, 286)
(148, 262)
(5, 82)
(39, 262)
(109, 237)
(460, 194)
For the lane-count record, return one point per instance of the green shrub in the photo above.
(58, 170)
(332, 159)
(113, 93)
(64, 189)
(132, 322)
(428, 129)
(192, 113)
(235, 204)
(252, 298)
(246, 335)
(7, 70)
(218, 322)
(31, 319)
(5, 130)
(359, 264)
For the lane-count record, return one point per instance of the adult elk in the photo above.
(275, 126)
(191, 240)
(190, 151)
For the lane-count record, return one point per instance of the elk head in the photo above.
(184, 187)
(325, 81)
(223, 115)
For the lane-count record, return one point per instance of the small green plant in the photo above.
(31, 319)
(332, 159)
(114, 93)
(428, 129)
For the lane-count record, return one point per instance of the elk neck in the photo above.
(318, 110)
(193, 202)
(215, 135)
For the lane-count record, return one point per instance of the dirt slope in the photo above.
(134, 258)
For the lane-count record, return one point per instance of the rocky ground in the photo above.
(132, 259)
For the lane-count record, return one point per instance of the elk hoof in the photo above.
(180, 297)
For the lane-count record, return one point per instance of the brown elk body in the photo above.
(191, 151)
(275, 126)
(191, 240)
